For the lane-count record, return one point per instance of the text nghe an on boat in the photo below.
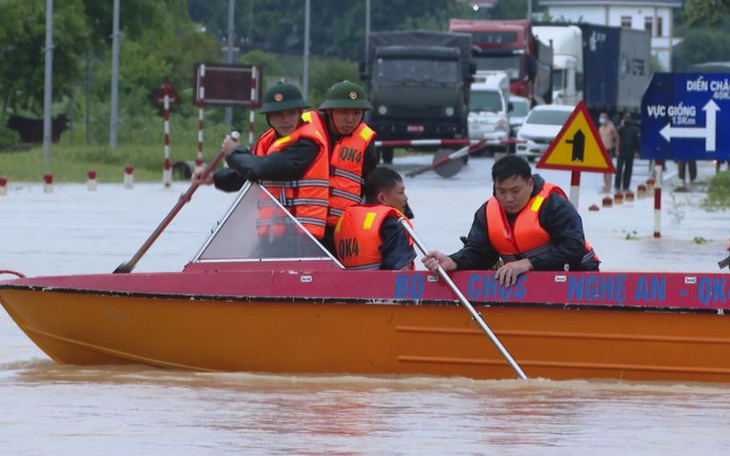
(258, 299)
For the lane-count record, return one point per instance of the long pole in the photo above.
(658, 171)
(252, 106)
(201, 114)
(88, 98)
(128, 266)
(166, 165)
(367, 29)
(575, 188)
(307, 25)
(229, 53)
(475, 315)
(115, 78)
(48, 89)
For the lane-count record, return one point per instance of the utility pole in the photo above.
(307, 25)
(115, 78)
(88, 97)
(367, 29)
(229, 53)
(48, 89)
(529, 10)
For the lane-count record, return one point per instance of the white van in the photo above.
(489, 108)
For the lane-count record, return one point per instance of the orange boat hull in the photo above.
(290, 336)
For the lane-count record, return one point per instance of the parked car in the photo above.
(519, 107)
(488, 108)
(540, 128)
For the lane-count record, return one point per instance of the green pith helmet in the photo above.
(345, 95)
(282, 97)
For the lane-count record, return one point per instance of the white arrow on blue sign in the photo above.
(680, 113)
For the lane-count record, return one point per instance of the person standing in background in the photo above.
(628, 149)
(611, 141)
(682, 169)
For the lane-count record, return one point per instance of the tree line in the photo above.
(165, 37)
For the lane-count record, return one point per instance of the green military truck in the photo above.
(418, 84)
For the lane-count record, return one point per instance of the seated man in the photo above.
(369, 236)
(528, 222)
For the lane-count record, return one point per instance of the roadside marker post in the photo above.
(47, 183)
(128, 177)
(201, 113)
(91, 180)
(166, 166)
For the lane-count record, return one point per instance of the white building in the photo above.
(652, 15)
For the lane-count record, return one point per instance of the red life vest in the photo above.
(357, 235)
(346, 162)
(527, 236)
(306, 198)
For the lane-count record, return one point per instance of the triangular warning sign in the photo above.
(578, 147)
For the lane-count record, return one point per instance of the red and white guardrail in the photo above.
(446, 142)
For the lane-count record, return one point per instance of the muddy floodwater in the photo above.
(48, 409)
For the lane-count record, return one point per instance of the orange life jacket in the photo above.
(357, 235)
(346, 165)
(306, 198)
(527, 236)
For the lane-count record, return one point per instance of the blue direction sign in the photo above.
(680, 116)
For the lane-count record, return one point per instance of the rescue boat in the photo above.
(248, 302)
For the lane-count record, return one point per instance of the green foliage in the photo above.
(701, 45)
(22, 41)
(70, 163)
(337, 29)
(706, 12)
(699, 240)
(8, 137)
(718, 191)
(654, 65)
(323, 72)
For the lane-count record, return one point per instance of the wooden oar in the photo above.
(475, 315)
(184, 198)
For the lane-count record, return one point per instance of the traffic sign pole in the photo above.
(575, 188)
(576, 148)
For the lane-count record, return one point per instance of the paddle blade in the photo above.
(123, 268)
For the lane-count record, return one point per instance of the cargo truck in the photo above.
(606, 67)
(510, 46)
(418, 84)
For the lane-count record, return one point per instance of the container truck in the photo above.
(606, 67)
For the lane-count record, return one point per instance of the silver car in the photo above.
(540, 128)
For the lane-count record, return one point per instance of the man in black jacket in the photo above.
(283, 106)
(529, 223)
(628, 135)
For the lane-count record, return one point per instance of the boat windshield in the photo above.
(256, 228)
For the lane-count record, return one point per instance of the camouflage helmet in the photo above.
(282, 96)
(345, 95)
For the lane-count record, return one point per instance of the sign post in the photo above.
(166, 96)
(680, 115)
(577, 148)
